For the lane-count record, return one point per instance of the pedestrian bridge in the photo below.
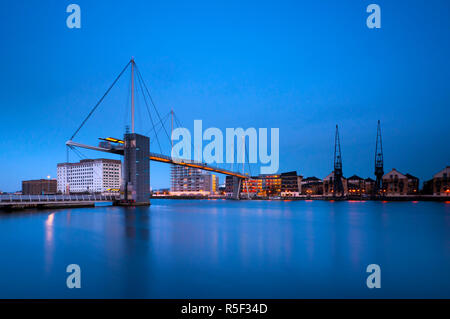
(54, 201)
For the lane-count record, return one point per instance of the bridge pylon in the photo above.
(136, 170)
(237, 183)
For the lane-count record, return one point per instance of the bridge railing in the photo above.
(9, 198)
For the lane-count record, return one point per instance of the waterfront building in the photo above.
(369, 186)
(427, 188)
(395, 183)
(311, 186)
(252, 187)
(39, 187)
(90, 176)
(413, 185)
(291, 184)
(441, 182)
(265, 185)
(356, 185)
(271, 185)
(160, 192)
(261, 186)
(328, 186)
(229, 184)
(190, 181)
(214, 184)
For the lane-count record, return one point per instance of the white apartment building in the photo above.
(89, 175)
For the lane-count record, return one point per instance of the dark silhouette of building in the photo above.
(427, 188)
(39, 187)
(441, 183)
(395, 183)
(290, 184)
(355, 185)
(369, 186)
(413, 184)
(398, 184)
(312, 186)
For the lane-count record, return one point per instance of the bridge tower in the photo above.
(136, 170)
(136, 165)
(337, 187)
(379, 171)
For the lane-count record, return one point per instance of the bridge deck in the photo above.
(163, 159)
(8, 200)
(167, 159)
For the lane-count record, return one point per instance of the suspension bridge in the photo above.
(135, 149)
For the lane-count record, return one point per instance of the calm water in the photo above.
(222, 249)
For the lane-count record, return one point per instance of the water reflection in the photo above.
(310, 240)
(220, 249)
(49, 242)
(355, 236)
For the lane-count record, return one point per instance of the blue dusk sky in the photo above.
(300, 66)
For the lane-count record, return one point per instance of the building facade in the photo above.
(311, 186)
(192, 181)
(413, 185)
(395, 183)
(291, 184)
(271, 185)
(398, 184)
(229, 186)
(39, 187)
(441, 183)
(356, 185)
(90, 176)
(369, 185)
(261, 186)
(252, 187)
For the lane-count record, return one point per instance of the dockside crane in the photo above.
(337, 187)
(379, 170)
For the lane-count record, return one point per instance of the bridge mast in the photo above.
(171, 131)
(132, 95)
(379, 171)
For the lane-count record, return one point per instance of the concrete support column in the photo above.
(236, 187)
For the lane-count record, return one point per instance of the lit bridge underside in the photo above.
(160, 158)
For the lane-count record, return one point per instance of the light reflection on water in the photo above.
(49, 242)
(220, 249)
